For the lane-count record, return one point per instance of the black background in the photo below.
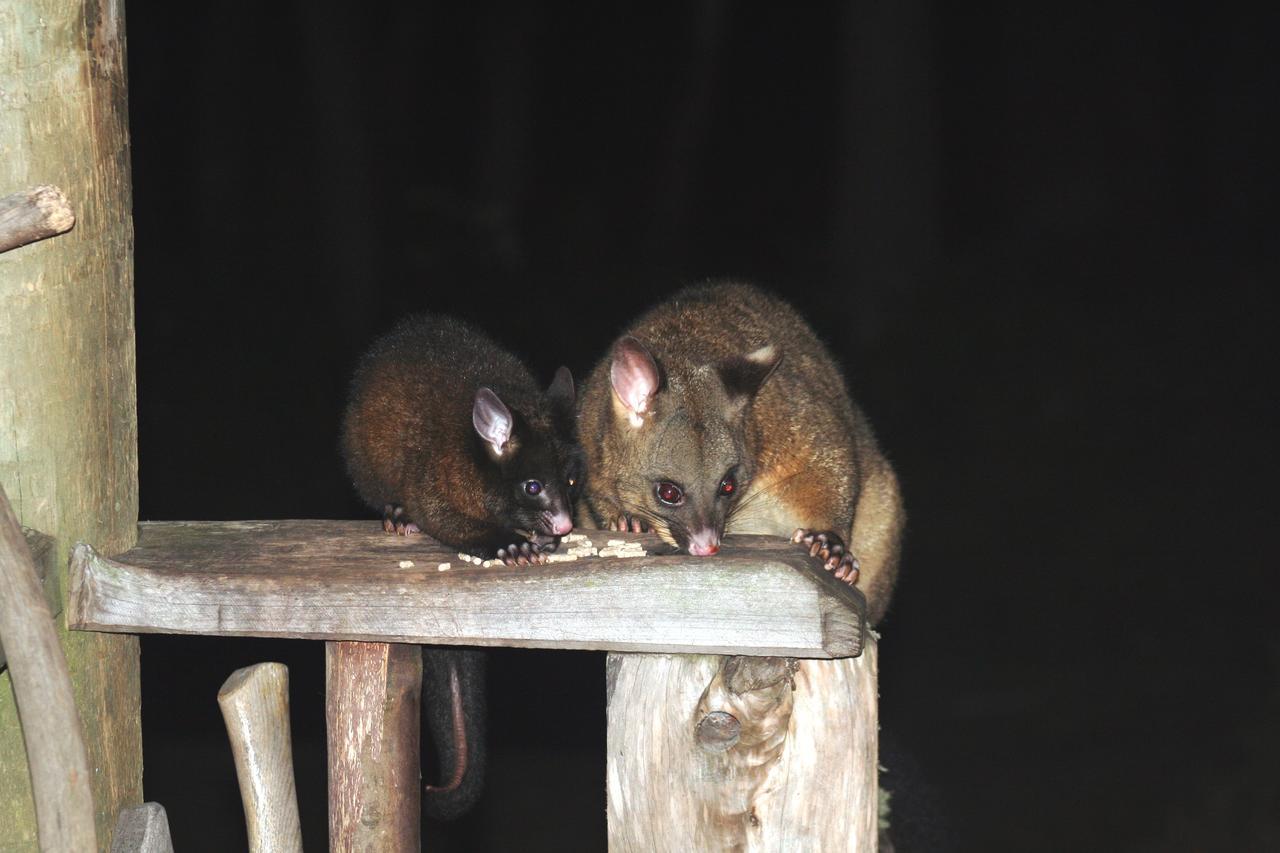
(1037, 236)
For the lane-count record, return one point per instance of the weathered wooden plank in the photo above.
(343, 580)
(373, 718)
(708, 753)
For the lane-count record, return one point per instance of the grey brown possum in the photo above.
(448, 434)
(719, 411)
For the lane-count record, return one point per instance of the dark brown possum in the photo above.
(448, 434)
(721, 411)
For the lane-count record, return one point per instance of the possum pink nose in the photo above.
(561, 523)
(704, 543)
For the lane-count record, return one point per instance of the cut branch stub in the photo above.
(718, 731)
(32, 215)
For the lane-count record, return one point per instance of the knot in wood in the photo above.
(718, 731)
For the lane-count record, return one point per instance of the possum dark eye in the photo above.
(533, 488)
(728, 486)
(670, 494)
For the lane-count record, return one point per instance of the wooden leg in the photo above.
(714, 753)
(372, 715)
(255, 706)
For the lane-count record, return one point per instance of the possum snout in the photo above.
(704, 542)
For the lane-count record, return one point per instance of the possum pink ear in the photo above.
(492, 420)
(634, 375)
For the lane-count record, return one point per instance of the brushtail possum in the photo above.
(721, 411)
(446, 433)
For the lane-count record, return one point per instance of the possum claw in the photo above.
(830, 549)
(524, 554)
(394, 520)
(626, 524)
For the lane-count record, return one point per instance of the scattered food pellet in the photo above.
(406, 564)
(486, 563)
(444, 567)
(574, 537)
(613, 543)
(561, 558)
(622, 552)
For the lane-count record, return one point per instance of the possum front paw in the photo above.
(626, 524)
(526, 553)
(830, 549)
(394, 520)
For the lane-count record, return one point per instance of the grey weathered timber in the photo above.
(748, 754)
(343, 580)
(142, 829)
(32, 215)
(56, 755)
(255, 705)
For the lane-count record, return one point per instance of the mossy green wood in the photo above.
(68, 424)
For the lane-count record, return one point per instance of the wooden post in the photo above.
(68, 423)
(749, 754)
(255, 705)
(373, 719)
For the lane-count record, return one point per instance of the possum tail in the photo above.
(453, 706)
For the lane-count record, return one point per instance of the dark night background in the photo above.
(1036, 237)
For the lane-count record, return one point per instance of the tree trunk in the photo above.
(740, 753)
(68, 423)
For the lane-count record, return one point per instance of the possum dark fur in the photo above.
(448, 434)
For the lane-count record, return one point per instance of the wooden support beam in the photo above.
(344, 580)
(373, 719)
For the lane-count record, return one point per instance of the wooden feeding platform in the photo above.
(771, 748)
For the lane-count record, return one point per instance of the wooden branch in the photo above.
(56, 755)
(142, 829)
(32, 215)
(344, 580)
(255, 704)
(43, 550)
(708, 753)
(373, 720)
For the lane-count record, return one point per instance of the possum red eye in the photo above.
(728, 486)
(533, 488)
(670, 494)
